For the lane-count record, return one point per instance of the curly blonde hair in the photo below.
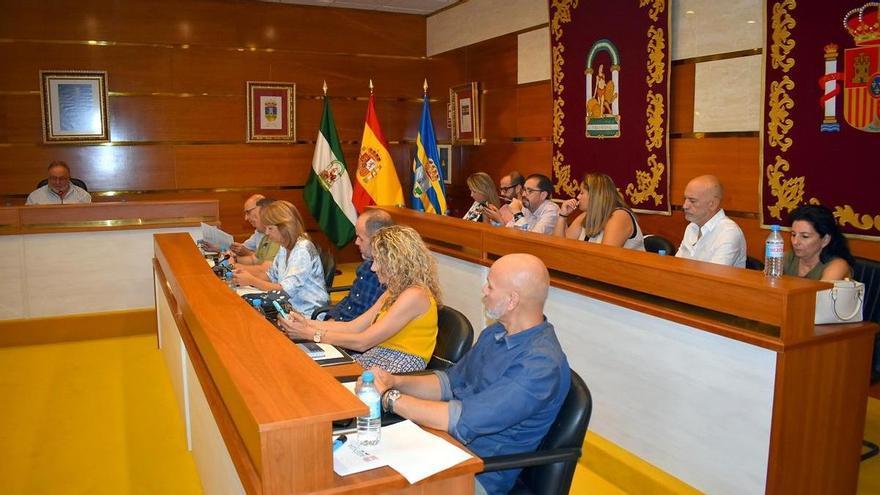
(404, 261)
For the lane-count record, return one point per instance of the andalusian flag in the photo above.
(328, 190)
(377, 182)
(429, 191)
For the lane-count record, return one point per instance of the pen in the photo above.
(280, 309)
(339, 442)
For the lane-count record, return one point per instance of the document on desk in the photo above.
(406, 448)
(216, 236)
(415, 453)
(247, 289)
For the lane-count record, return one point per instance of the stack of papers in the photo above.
(406, 448)
(216, 236)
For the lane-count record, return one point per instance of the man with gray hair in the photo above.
(366, 288)
(58, 189)
(710, 236)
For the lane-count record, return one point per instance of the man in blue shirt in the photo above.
(366, 288)
(503, 396)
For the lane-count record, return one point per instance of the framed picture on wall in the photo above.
(446, 161)
(466, 121)
(74, 105)
(271, 112)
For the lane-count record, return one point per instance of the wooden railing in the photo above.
(106, 216)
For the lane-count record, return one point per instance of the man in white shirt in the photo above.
(710, 236)
(534, 211)
(59, 190)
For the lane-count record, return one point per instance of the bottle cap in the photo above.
(256, 303)
(661, 252)
(774, 228)
(367, 377)
(228, 275)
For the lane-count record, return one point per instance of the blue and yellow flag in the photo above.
(429, 191)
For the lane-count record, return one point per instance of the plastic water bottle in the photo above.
(229, 282)
(369, 427)
(661, 252)
(773, 252)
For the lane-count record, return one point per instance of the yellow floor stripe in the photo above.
(91, 417)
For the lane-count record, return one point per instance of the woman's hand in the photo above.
(491, 212)
(296, 326)
(242, 277)
(568, 206)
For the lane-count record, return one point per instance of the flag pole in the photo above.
(371, 87)
(325, 88)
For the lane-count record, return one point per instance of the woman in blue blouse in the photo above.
(297, 268)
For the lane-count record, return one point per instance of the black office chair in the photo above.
(550, 469)
(329, 264)
(455, 336)
(77, 182)
(654, 243)
(868, 272)
(754, 264)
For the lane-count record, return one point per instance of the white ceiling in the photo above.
(422, 7)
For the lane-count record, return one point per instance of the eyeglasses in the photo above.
(247, 211)
(506, 188)
(530, 190)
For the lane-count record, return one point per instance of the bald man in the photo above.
(504, 394)
(257, 253)
(710, 236)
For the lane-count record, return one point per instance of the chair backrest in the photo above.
(77, 182)
(654, 243)
(329, 264)
(754, 264)
(568, 431)
(455, 336)
(868, 272)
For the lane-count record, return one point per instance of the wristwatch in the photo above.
(518, 215)
(317, 336)
(389, 398)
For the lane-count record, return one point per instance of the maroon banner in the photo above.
(822, 112)
(611, 97)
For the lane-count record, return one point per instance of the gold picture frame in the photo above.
(466, 104)
(271, 112)
(74, 106)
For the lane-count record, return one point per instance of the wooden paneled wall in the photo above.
(176, 78)
(518, 125)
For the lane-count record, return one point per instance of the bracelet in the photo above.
(564, 216)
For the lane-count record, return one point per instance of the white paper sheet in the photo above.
(415, 453)
(216, 236)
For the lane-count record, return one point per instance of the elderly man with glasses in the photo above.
(533, 211)
(58, 189)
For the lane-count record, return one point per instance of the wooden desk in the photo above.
(87, 258)
(272, 405)
(717, 375)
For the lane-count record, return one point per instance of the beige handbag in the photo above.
(842, 304)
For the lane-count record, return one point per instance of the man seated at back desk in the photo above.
(366, 288)
(58, 190)
(502, 396)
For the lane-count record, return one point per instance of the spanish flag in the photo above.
(377, 182)
(429, 190)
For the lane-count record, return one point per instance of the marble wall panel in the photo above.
(479, 20)
(694, 404)
(13, 302)
(461, 284)
(533, 56)
(702, 28)
(87, 272)
(727, 95)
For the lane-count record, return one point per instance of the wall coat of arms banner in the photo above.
(611, 97)
(821, 128)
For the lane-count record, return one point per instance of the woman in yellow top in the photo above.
(399, 331)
